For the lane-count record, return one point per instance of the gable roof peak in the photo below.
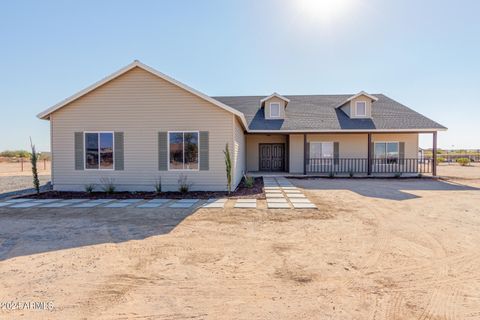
(136, 63)
(361, 93)
(275, 95)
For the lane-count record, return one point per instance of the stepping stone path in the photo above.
(280, 194)
(246, 203)
(155, 203)
(184, 203)
(279, 190)
(122, 203)
(92, 203)
(215, 203)
(62, 203)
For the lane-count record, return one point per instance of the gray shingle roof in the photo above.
(319, 112)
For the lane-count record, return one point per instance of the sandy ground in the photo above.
(455, 171)
(15, 181)
(22, 183)
(376, 249)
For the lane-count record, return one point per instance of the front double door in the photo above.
(272, 157)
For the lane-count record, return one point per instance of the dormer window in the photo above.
(361, 109)
(274, 106)
(358, 106)
(274, 110)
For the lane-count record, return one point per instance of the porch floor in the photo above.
(338, 175)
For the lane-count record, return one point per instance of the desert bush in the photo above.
(398, 175)
(463, 161)
(350, 173)
(15, 154)
(89, 188)
(331, 175)
(249, 181)
(108, 185)
(441, 159)
(44, 156)
(158, 185)
(183, 185)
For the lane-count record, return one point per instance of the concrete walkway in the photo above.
(280, 194)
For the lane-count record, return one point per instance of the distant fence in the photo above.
(23, 165)
(452, 155)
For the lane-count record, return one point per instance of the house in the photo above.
(138, 126)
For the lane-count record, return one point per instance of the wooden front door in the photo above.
(272, 157)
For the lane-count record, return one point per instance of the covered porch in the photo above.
(350, 153)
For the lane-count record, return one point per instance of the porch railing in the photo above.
(360, 165)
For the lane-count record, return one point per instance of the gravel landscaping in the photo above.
(17, 185)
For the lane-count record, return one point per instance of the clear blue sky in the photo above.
(425, 54)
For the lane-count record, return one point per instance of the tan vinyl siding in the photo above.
(140, 105)
(267, 108)
(239, 152)
(296, 153)
(350, 145)
(253, 141)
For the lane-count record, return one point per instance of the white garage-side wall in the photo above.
(239, 152)
(140, 105)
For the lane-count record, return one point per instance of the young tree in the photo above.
(228, 168)
(33, 159)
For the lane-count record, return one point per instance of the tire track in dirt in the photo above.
(385, 230)
(444, 286)
(381, 243)
(393, 311)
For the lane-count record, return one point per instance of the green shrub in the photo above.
(351, 173)
(108, 185)
(441, 160)
(228, 168)
(158, 185)
(463, 161)
(331, 175)
(89, 188)
(183, 185)
(398, 175)
(249, 181)
(33, 160)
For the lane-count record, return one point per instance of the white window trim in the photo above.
(375, 156)
(279, 112)
(356, 110)
(168, 150)
(85, 151)
(321, 142)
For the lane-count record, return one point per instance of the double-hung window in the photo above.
(183, 150)
(99, 150)
(274, 110)
(361, 109)
(387, 152)
(322, 150)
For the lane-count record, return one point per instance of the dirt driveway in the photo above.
(376, 249)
